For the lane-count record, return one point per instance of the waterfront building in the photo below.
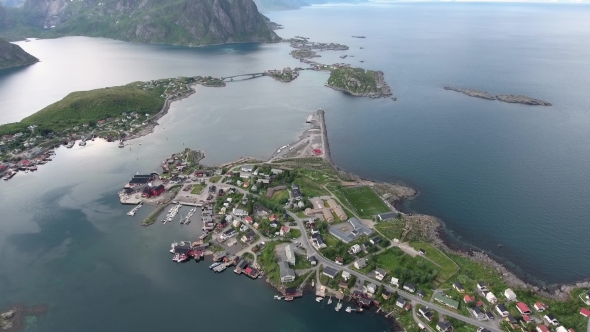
(286, 273)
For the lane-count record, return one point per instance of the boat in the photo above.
(312, 283)
(70, 144)
(9, 175)
(289, 298)
(33, 168)
(134, 210)
(330, 300)
(121, 144)
(338, 306)
(319, 299)
(214, 265)
(278, 297)
(179, 258)
(348, 309)
(173, 245)
(82, 143)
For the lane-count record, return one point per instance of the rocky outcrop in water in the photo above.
(516, 99)
(472, 93)
(12, 55)
(185, 22)
(520, 99)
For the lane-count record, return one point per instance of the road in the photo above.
(414, 299)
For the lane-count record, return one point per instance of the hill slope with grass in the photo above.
(82, 107)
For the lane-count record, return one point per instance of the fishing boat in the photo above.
(214, 265)
(348, 309)
(278, 297)
(82, 143)
(180, 258)
(121, 144)
(338, 306)
(33, 168)
(289, 298)
(70, 144)
(9, 175)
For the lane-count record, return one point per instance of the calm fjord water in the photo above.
(494, 172)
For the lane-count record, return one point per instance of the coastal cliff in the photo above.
(184, 22)
(359, 82)
(12, 55)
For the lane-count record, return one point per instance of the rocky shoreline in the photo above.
(515, 99)
(13, 317)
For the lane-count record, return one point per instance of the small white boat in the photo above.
(330, 300)
(214, 265)
(319, 299)
(338, 306)
(278, 297)
(82, 143)
(348, 309)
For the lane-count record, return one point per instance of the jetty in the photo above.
(134, 210)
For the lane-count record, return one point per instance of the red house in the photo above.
(585, 312)
(523, 308)
(149, 192)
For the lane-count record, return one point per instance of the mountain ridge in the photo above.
(181, 22)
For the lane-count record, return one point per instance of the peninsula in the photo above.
(12, 55)
(297, 220)
(517, 99)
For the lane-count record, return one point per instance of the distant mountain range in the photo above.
(12, 55)
(184, 22)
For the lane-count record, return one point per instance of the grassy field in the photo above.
(277, 196)
(406, 268)
(448, 268)
(391, 229)
(215, 179)
(197, 188)
(365, 201)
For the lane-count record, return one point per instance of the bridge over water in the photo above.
(243, 77)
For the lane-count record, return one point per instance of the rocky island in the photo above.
(520, 99)
(516, 99)
(184, 22)
(12, 55)
(359, 82)
(285, 75)
(472, 93)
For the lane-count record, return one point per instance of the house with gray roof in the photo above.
(330, 272)
(287, 274)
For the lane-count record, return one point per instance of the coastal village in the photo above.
(305, 227)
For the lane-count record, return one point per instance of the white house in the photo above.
(355, 249)
(510, 295)
(371, 288)
(380, 274)
(247, 168)
(491, 298)
(286, 273)
(289, 255)
(345, 275)
(239, 212)
(394, 281)
(360, 264)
